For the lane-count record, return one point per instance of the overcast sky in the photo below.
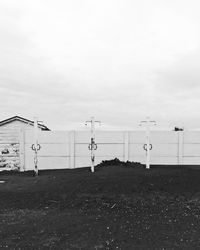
(120, 61)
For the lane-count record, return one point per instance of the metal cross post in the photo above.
(148, 146)
(36, 146)
(92, 146)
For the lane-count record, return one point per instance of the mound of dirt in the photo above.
(116, 162)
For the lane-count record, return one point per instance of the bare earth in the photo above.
(116, 207)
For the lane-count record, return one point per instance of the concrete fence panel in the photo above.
(54, 153)
(69, 149)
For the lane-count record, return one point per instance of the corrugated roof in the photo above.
(19, 118)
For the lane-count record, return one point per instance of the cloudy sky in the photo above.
(118, 60)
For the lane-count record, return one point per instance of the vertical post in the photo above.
(126, 146)
(72, 149)
(180, 147)
(148, 145)
(36, 145)
(92, 146)
(92, 142)
(22, 150)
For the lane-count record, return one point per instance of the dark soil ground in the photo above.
(116, 207)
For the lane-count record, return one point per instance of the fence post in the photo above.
(22, 150)
(180, 147)
(126, 146)
(72, 149)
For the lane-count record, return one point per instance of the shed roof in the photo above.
(24, 120)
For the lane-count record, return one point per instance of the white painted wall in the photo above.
(69, 149)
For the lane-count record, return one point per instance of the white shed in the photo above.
(11, 130)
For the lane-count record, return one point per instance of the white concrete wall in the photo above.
(191, 147)
(54, 152)
(69, 149)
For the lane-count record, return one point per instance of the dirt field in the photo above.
(116, 207)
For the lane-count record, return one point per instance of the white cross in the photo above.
(148, 123)
(93, 145)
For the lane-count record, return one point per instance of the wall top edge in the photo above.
(105, 130)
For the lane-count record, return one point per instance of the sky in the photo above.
(118, 60)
